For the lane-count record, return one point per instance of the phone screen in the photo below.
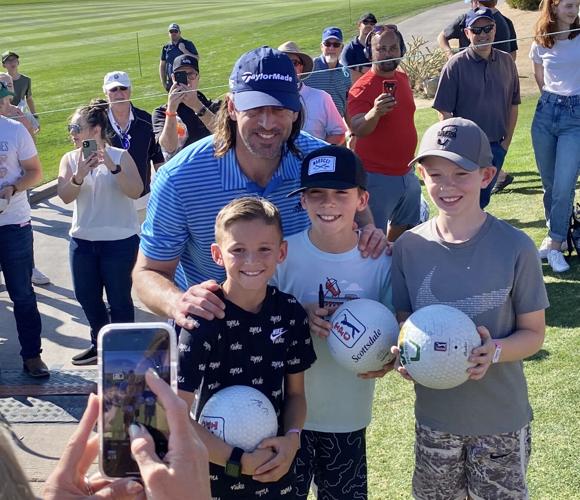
(89, 147)
(389, 87)
(181, 77)
(126, 354)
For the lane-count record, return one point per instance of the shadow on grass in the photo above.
(522, 225)
(564, 295)
(541, 355)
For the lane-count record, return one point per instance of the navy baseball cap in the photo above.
(458, 140)
(479, 13)
(173, 27)
(185, 60)
(331, 167)
(332, 32)
(264, 77)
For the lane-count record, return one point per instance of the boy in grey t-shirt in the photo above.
(472, 440)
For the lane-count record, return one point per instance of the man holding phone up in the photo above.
(381, 110)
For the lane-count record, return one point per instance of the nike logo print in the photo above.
(277, 332)
(472, 306)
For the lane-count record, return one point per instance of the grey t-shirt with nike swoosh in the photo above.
(493, 277)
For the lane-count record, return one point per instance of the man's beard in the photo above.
(387, 66)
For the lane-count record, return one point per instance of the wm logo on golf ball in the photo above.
(363, 332)
(241, 416)
(435, 343)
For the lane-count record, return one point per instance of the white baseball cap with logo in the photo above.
(116, 79)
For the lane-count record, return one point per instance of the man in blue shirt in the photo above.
(328, 74)
(176, 47)
(353, 55)
(256, 149)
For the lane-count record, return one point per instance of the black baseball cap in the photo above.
(331, 167)
(368, 17)
(185, 60)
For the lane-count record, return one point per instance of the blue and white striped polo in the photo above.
(190, 190)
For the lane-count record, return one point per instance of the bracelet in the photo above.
(201, 112)
(170, 113)
(74, 181)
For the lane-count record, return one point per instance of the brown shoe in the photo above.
(35, 367)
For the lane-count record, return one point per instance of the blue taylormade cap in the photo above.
(475, 14)
(332, 32)
(264, 77)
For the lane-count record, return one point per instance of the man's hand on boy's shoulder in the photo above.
(199, 300)
(285, 449)
(372, 241)
(482, 356)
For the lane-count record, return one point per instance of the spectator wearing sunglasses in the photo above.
(188, 115)
(130, 128)
(321, 118)
(381, 111)
(328, 74)
(353, 55)
(177, 46)
(104, 233)
(504, 31)
(481, 84)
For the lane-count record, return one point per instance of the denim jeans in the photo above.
(16, 261)
(499, 154)
(556, 141)
(98, 265)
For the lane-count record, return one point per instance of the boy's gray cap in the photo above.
(458, 140)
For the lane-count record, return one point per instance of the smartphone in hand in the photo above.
(89, 147)
(180, 77)
(390, 87)
(126, 352)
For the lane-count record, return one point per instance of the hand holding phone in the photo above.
(126, 352)
(180, 77)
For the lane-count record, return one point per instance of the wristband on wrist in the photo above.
(497, 353)
(201, 112)
(74, 181)
(295, 431)
(170, 113)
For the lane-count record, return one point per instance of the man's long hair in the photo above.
(225, 132)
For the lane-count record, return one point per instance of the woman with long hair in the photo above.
(555, 53)
(104, 232)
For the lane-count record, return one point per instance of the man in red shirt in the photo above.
(381, 109)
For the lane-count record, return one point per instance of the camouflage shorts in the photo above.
(452, 467)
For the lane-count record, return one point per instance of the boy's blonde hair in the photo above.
(247, 208)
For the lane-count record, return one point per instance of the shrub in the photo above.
(524, 4)
(422, 64)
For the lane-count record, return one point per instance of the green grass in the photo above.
(67, 47)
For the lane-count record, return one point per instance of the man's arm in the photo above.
(443, 115)
(154, 285)
(32, 174)
(31, 105)
(444, 44)
(363, 124)
(162, 66)
(512, 121)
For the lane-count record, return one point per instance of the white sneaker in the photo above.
(39, 278)
(545, 247)
(557, 261)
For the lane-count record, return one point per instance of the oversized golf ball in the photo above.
(363, 332)
(435, 343)
(241, 416)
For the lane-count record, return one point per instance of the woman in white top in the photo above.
(104, 232)
(556, 126)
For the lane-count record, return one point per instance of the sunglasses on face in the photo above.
(74, 128)
(117, 89)
(381, 28)
(173, 31)
(369, 23)
(336, 45)
(484, 29)
(296, 62)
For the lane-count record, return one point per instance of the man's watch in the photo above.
(117, 169)
(201, 112)
(234, 463)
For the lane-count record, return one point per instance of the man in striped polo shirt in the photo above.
(256, 149)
